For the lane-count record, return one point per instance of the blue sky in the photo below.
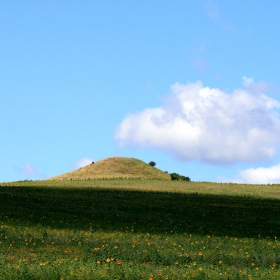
(190, 84)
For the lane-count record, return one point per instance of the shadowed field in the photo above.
(155, 212)
(116, 230)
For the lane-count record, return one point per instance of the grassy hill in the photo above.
(115, 167)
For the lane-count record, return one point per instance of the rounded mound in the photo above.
(115, 167)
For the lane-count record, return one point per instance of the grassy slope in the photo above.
(131, 229)
(115, 167)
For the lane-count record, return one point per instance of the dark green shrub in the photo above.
(178, 177)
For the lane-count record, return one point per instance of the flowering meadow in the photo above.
(136, 229)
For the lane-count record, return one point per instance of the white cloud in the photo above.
(208, 124)
(83, 162)
(254, 87)
(29, 170)
(261, 175)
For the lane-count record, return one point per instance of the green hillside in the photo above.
(115, 167)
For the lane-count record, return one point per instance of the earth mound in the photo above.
(115, 167)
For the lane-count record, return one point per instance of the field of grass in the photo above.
(136, 229)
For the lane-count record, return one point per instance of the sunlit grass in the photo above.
(136, 229)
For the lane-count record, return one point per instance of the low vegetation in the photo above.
(152, 163)
(138, 229)
(178, 177)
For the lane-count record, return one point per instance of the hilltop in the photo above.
(115, 167)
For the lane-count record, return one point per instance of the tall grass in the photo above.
(136, 229)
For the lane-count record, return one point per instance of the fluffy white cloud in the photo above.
(29, 170)
(208, 124)
(261, 175)
(83, 162)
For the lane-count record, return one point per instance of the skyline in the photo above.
(192, 85)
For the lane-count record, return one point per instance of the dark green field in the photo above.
(134, 229)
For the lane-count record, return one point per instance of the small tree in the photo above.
(174, 176)
(152, 163)
(185, 178)
(178, 177)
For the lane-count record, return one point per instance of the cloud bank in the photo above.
(30, 171)
(261, 175)
(208, 125)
